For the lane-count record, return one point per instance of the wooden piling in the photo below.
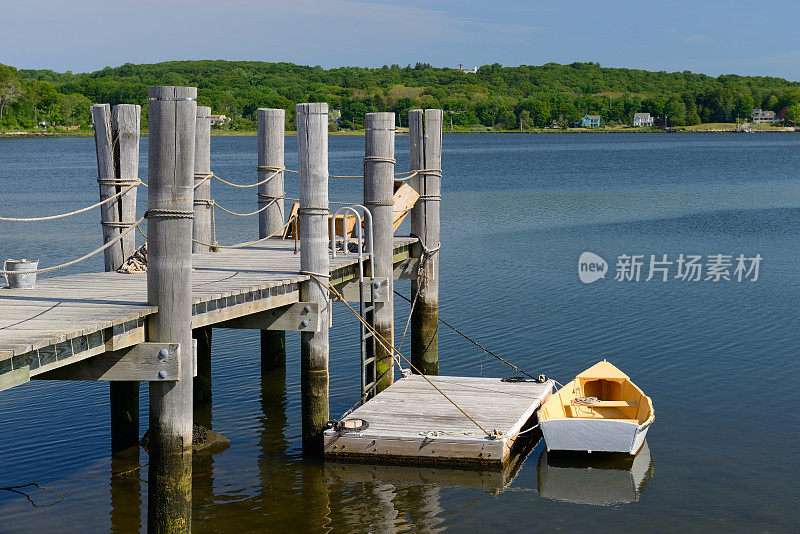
(169, 286)
(271, 126)
(201, 231)
(425, 146)
(201, 225)
(378, 193)
(106, 179)
(312, 155)
(117, 146)
(125, 127)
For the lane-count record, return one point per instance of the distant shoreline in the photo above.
(402, 132)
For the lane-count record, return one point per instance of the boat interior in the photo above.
(600, 392)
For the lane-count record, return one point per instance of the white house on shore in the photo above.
(217, 120)
(642, 119)
(765, 116)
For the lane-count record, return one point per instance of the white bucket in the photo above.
(25, 275)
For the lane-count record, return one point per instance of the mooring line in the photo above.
(16, 489)
(465, 336)
(391, 348)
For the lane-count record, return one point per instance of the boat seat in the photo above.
(607, 404)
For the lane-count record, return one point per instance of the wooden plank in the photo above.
(297, 317)
(14, 378)
(218, 315)
(405, 197)
(351, 293)
(288, 233)
(143, 362)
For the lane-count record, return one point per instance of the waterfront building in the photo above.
(590, 121)
(642, 119)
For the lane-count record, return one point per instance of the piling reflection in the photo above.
(169, 487)
(597, 479)
(126, 491)
(203, 471)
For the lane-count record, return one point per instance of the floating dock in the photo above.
(411, 422)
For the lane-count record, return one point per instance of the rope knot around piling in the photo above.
(379, 159)
(203, 177)
(117, 224)
(313, 210)
(270, 199)
(118, 181)
(165, 213)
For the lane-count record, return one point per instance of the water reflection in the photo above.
(597, 479)
(126, 490)
(203, 470)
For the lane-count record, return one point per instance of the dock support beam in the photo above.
(271, 125)
(312, 155)
(201, 231)
(425, 146)
(169, 286)
(378, 193)
(117, 143)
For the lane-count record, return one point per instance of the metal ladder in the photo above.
(366, 291)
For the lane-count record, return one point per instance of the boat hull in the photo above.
(593, 435)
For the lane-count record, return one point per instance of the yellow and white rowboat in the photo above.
(601, 410)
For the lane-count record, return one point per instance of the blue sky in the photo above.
(710, 36)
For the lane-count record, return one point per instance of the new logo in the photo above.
(591, 267)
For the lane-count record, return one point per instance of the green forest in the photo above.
(495, 97)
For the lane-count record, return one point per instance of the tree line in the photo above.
(494, 97)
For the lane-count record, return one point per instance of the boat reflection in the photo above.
(600, 479)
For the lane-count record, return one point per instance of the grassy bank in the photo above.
(714, 127)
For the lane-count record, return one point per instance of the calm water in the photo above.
(719, 360)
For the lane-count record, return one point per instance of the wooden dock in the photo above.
(411, 422)
(157, 327)
(68, 319)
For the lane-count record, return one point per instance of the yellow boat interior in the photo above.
(600, 392)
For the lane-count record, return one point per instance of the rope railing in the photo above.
(76, 212)
(275, 171)
(215, 204)
(217, 246)
(84, 257)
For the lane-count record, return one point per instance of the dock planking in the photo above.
(411, 423)
(70, 318)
